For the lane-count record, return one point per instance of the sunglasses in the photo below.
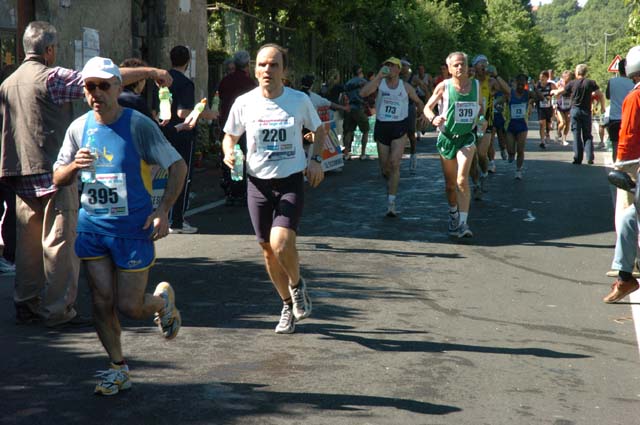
(104, 86)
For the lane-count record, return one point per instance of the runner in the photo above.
(517, 129)
(461, 102)
(545, 107)
(498, 125)
(407, 76)
(563, 107)
(116, 224)
(488, 88)
(392, 123)
(273, 116)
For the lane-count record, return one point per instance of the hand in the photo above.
(163, 122)
(83, 158)
(160, 222)
(229, 160)
(162, 77)
(438, 121)
(308, 137)
(315, 174)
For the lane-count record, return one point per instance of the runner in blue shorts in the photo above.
(111, 148)
(517, 129)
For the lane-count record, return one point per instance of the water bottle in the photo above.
(385, 71)
(237, 172)
(88, 175)
(165, 103)
(199, 107)
(215, 104)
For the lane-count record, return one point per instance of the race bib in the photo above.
(545, 104)
(390, 109)
(465, 112)
(107, 197)
(276, 138)
(518, 111)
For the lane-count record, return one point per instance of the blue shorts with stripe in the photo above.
(127, 254)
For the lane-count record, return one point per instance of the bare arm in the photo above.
(500, 85)
(603, 104)
(66, 174)
(429, 112)
(371, 86)
(411, 92)
(160, 76)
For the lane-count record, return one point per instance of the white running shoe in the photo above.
(454, 221)
(301, 301)
(503, 154)
(112, 380)
(413, 163)
(518, 175)
(186, 228)
(492, 166)
(391, 209)
(169, 319)
(464, 231)
(287, 323)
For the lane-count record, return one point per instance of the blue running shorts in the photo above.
(127, 254)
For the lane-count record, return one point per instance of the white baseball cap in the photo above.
(98, 67)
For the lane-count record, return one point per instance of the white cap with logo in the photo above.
(98, 67)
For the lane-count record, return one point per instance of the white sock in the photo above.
(463, 217)
(392, 198)
(453, 209)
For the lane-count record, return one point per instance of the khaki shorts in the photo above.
(355, 118)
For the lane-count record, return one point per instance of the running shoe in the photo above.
(413, 163)
(364, 157)
(542, 145)
(169, 319)
(620, 289)
(301, 301)
(511, 158)
(477, 192)
(483, 182)
(503, 154)
(454, 220)
(391, 209)
(186, 229)
(492, 166)
(464, 231)
(564, 142)
(287, 323)
(518, 175)
(113, 380)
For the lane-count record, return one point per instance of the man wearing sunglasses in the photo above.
(35, 114)
(116, 223)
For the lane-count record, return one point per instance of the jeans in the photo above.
(582, 139)
(626, 241)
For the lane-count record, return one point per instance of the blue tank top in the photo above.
(518, 106)
(119, 202)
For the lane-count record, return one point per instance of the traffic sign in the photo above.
(613, 66)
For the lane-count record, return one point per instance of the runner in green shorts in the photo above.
(461, 104)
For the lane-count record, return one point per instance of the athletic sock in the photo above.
(391, 198)
(453, 209)
(463, 217)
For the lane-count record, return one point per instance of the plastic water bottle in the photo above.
(215, 103)
(237, 172)
(88, 175)
(165, 103)
(385, 71)
(200, 105)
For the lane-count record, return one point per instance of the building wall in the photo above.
(113, 23)
(132, 28)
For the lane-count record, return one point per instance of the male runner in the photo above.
(461, 104)
(116, 223)
(273, 116)
(392, 123)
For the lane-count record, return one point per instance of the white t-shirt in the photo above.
(274, 131)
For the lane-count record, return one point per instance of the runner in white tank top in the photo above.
(392, 122)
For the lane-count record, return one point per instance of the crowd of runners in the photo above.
(105, 156)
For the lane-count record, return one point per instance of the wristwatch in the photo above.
(317, 158)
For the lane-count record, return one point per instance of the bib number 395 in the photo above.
(102, 195)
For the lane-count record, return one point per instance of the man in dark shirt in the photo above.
(183, 137)
(233, 85)
(580, 91)
(131, 94)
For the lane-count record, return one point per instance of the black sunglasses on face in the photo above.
(104, 86)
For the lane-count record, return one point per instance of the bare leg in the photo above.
(464, 157)
(521, 139)
(281, 260)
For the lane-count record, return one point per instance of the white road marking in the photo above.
(205, 207)
(634, 297)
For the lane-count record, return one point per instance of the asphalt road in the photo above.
(409, 326)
